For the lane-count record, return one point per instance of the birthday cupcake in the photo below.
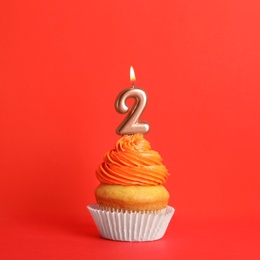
(132, 203)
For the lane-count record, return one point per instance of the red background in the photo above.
(62, 65)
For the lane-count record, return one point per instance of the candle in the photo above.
(131, 125)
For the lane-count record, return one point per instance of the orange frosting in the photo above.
(132, 162)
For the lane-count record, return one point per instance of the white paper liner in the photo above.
(131, 226)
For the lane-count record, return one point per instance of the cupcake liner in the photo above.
(131, 226)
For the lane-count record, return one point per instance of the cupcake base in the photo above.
(131, 226)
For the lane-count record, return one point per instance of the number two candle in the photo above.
(131, 125)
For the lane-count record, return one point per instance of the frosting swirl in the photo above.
(132, 162)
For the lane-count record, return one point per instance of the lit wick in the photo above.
(132, 76)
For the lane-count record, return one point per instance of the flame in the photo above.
(132, 75)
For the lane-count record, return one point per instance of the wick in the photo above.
(133, 84)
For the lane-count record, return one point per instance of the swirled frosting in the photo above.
(132, 162)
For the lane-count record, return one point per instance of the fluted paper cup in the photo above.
(131, 226)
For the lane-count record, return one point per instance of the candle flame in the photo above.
(132, 75)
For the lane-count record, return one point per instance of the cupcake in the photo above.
(131, 201)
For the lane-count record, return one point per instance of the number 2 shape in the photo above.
(131, 125)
